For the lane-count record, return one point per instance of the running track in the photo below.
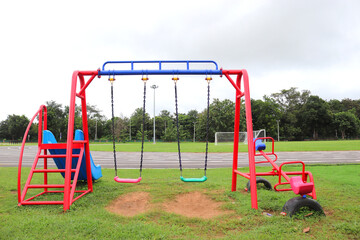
(9, 157)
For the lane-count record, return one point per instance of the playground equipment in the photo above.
(76, 151)
(302, 183)
(116, 178)
(204, 178)
(84, 78)
(74, 168)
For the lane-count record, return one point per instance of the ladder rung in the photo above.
(42, 202)
(52, 170)
(58, 156)
(46, 186)
(80, 141)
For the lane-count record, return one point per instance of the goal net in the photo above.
(228, 137)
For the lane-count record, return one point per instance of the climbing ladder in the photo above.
(68, 188)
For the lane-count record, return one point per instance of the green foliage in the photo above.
(300, 116)
(347, 124)
(13, 127)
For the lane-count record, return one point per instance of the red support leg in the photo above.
(249, 127)
(69, 144)
(236, 131)
(86, 133)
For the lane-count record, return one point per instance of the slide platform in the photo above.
(48, 138)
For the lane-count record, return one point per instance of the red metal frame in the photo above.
(69, 188)
(242, 75)
(276, 170)
(69, 185)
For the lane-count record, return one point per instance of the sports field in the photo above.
(346, 145)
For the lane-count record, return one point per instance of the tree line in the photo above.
(298, 114)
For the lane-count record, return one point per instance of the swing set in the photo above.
(73, 162)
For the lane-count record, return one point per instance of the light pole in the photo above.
(278, 130)
(194, 132)
(96, 129)
(130, 129)
(154, 87)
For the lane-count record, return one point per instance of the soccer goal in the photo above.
(228, 137)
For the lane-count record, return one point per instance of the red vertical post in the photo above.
(236, 131)
(45, 151)
(249, 127)
(86, 133)
(69, 143)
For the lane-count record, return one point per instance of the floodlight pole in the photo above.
(154, 87)
(278, 130)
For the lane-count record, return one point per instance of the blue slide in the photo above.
(48, 137)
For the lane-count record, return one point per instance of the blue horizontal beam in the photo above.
(160, 71)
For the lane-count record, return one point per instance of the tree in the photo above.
(221, 119)
(170, 132)
(56, 119)
(162, 124)
(96, 122)
(14, 127)
(315, 117)
(264, 115)
(347, 124)
(349, 104)
(290, 101)
(137, 121)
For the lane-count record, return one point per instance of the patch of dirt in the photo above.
(131, 204)
(195, 204)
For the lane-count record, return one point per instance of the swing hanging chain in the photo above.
(144, 79)
(177, 123)
(208, 79)
(112, 79)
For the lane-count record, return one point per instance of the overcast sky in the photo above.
(308, 44)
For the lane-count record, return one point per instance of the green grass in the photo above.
(337, 189)
(228, 147)
(294, 146)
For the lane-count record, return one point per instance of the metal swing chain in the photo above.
(177, 123)
(207, 124)
(113, 121)
(143, 125)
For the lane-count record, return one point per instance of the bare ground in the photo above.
(193, 204)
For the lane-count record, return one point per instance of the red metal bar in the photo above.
(280, 173)
(236, 126)
(46, 186)
(45, 151)
(87, 191)
(30, 176)
(245, 175)
(42, 107)
(285, 175)
(32, 198)
(249, 128)
(237, 88)
(51, 170)
(73, 187)
(82, 90)
(57, 156)
(86, 130)
(43, 202)
(69, 144)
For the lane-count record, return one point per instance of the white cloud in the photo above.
(307, 44)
